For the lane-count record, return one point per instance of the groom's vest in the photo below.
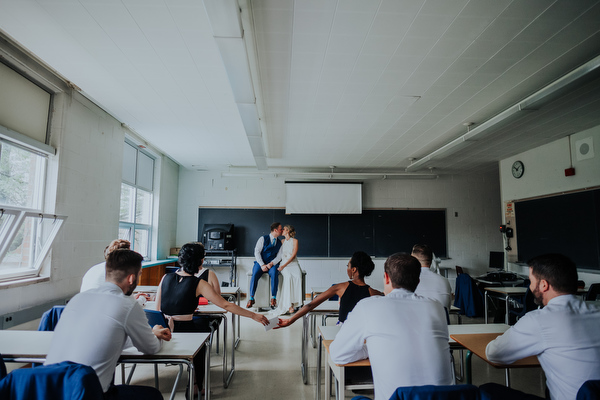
(269, 251)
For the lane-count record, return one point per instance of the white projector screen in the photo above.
(323, 198)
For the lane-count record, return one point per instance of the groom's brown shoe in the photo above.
(250, 303)
(273, 304)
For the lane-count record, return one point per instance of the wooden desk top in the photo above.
(477, 342)
(359, 363)
(326, 307)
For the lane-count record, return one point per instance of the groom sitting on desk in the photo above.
(267, 253)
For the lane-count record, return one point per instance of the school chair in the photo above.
(590, 390)
(62, 381)
(593, 292)
(2, 368)
(432, 392)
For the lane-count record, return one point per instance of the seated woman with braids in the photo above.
(178, 294)
(350, 292)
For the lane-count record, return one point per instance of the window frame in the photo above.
(134, 226)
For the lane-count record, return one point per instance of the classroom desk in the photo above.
(505, 293)
(216, 311)
(325, 309)
(231, 293)
(328, 333)
(339, 373)
(27, 346)
(475, 343)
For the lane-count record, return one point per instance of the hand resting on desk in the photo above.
(161, 332)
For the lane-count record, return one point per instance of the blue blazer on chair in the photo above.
(50, 318)
(62, 381)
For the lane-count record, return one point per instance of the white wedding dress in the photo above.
(290, 294)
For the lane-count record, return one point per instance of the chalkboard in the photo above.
(376, 232)
(567, 224)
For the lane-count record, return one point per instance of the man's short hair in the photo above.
(404, 271)
(558, 270)
(116, 244)
(122, 263)
(275, 225)
(423, 253)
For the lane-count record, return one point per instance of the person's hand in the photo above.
(265, 268)
(280, 268)
(161, 333)
(138, 295)
(261, 318)
(283, 323)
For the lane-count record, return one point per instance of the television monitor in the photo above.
(497, 260)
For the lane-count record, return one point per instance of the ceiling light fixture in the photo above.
(574, 79)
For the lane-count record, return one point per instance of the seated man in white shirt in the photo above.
(563, 335)
(94, 277)
(95, 324)
(431, 284)
(406, 335)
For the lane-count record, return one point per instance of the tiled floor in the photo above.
(268, 367)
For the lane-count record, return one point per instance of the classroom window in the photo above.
(135, 214)
(26, 232)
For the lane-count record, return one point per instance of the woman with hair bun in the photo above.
(178, 294)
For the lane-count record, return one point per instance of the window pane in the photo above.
(127, 210)
(141, 242)
(20, 177)
(30, 243)
(145, 171)
(143, 212)
(125, 233)
(129, 162)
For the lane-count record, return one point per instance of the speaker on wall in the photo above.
(584, 148)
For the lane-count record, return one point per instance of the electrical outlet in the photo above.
(8, 321)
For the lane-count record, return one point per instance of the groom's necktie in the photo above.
(273, 242)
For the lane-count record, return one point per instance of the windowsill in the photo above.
(18, 282)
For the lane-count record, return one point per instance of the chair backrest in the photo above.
(590, 390)
(459, 270)
(50, 318)
(64, 381)
(2, 367)
(156, 318)
(431, 392)
(593, 292)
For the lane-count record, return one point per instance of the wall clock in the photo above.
(518, 169)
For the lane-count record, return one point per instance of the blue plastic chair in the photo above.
(62, 381)
(431, 392)
(590, 390)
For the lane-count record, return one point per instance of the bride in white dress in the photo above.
(291, 287)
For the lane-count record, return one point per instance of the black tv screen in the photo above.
(496, 260)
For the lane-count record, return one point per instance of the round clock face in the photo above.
(518, 169)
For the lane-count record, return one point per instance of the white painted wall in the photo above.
(84, 183)
(471, 235)
(544, 175)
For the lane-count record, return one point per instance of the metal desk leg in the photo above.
(303, 355)
(485, 297)
(227, 376)
(319, 360)
(206, 375)
(327, 379)
(507, 375)
(313, 330)
(506, 304)
(239, 323)
(468, 367)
